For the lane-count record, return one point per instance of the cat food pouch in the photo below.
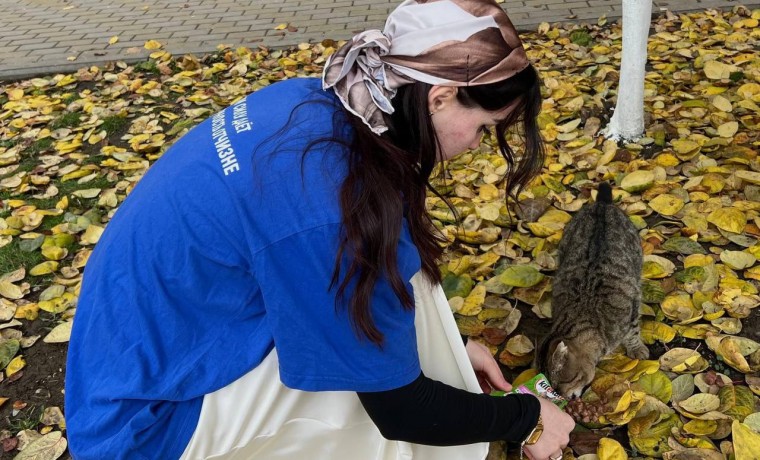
(539, 386)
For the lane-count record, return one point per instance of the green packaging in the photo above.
(539, 386)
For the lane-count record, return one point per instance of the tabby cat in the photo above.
(596, 294)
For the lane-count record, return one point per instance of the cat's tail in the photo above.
(604, 193)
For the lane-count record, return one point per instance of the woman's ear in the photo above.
(440, 97)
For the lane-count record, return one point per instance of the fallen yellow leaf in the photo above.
(700, 403)
(10, 290)
(61, 333)
(609, 449)
(716, 70)
(44, 268)
(728, 219)
(152, 45)
(746, 441)
(666, 204)
(722, 104)
(728, 129)
(15, 365)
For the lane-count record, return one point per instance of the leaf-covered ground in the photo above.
(73, 146)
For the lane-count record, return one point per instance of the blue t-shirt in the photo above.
(224, 250)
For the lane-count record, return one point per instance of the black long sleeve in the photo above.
(433, 413)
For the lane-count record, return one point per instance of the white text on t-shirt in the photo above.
(223, 146)
(240, 117)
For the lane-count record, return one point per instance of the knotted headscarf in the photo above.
(440, 42)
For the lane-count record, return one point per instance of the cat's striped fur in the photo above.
(596, 293)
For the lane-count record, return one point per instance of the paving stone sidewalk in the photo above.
(50, 36)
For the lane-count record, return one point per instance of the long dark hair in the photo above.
(387, 180)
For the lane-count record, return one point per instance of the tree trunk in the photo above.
(627, 121)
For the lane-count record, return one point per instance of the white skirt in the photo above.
(257, 418)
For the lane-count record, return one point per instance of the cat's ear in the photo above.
(559, 356)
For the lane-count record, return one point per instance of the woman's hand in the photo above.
(486, 368)
(556, 434)
(557, 424)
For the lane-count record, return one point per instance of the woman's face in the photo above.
(460, 128)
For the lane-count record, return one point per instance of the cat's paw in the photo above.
(638, 351)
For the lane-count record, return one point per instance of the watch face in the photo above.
(533, 438)
(536, 433)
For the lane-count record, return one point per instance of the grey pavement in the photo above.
(54, 36)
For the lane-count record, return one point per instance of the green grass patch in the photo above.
(581, 37)
(76, 205)
(79, 205)
(13, 258)
(50, 221)
(66, 188)
(69, 98)
(67, 120)
(39, 146)
(94, 160)
(27, 419)
(147, 66)
(27, 163)
(49, 320)
(114, 124)
(6, 144)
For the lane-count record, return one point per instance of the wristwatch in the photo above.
(535, 434)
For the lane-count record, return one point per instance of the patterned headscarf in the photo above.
(440, 42)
